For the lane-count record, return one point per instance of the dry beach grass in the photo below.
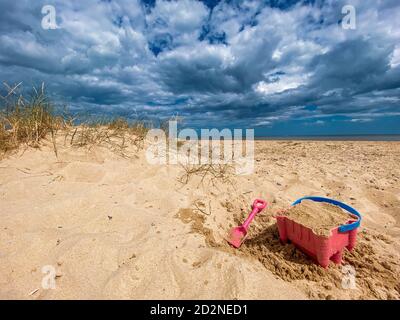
(26, 121)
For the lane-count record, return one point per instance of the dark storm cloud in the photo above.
(215, 62)
(352, 64)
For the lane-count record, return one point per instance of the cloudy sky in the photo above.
(281, 67)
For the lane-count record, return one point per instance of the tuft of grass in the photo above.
(116, 135)
(210, 172)
(27, 120)
(118, 124)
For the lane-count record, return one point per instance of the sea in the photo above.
(366, 137)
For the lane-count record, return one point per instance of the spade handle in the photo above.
(258, 206)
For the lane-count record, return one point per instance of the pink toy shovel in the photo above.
(238, 234)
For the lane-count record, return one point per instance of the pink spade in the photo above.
(238, 234)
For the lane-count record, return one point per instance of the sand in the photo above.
(115, 227)
(320, 217)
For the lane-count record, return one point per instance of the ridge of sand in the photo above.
(115, 227)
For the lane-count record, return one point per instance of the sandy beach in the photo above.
(115, 227)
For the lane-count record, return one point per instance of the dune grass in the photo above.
(117, 135)
(29, 120)
(26, 121)
(207, 172)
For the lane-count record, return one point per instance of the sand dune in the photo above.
(120, 228)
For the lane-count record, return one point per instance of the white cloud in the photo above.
(361, 120)
(285, 82)
(395, 60)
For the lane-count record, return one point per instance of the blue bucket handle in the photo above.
(344, 227)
